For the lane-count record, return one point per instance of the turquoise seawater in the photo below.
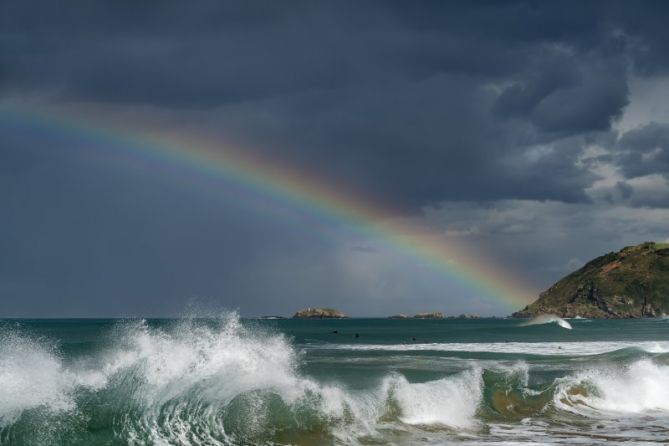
(226, 381)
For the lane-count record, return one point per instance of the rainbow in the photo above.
(282, 185)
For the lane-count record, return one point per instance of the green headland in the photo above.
(630, 283)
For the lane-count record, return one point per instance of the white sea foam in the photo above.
(532, 348)
(194, 384)
(638, 388)
(204, 369)
(31, 375)
(220, 365)
(171, 362)
(450, 402)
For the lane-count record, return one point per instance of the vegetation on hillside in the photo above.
(633, 282)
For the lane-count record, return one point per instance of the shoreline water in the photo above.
(232, 381)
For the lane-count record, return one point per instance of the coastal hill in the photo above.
(630, 283)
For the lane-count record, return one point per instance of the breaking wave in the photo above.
(637, 388)
(222, 383)
(548, 319)
(205, 385)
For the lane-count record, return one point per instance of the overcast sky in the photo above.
(536, 133)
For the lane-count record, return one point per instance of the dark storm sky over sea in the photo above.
(535, 132)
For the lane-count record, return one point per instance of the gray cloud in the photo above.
(645, 150)
(545, 236)
(445, 93)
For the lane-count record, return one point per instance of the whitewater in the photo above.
(232, 381)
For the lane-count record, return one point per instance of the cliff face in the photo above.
(630, 283)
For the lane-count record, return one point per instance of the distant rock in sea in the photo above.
(398, 316)
(432, 315)
(630, 283)
(270, 317)
(319, 313)
(469, 316)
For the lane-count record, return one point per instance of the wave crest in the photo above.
(216, 383)
(548, 319)
(633, 389)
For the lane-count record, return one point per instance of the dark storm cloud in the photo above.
(421, 102)
(496, 117)
(646, 22)
(564, 94)
(210, 53)
(645, 150)
(418, 143)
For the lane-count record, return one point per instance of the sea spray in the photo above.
(251, 383)
(231, 382)
(216, 383)
(31, 376)
(203, 384)
(637, 388)
(38, 393)
(449, 402)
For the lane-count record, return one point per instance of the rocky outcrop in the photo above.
(319, 313)
(398, 316)
(432, 315)
(630, 283)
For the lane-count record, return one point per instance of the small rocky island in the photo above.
(319, 313)
(630, 283)
(431, 315)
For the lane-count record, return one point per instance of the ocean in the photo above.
(232, 381)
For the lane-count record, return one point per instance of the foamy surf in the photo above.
(197, 385)
(225, 382)
(637, 388)
(449, 402)
(31, 376)
(511, 348)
